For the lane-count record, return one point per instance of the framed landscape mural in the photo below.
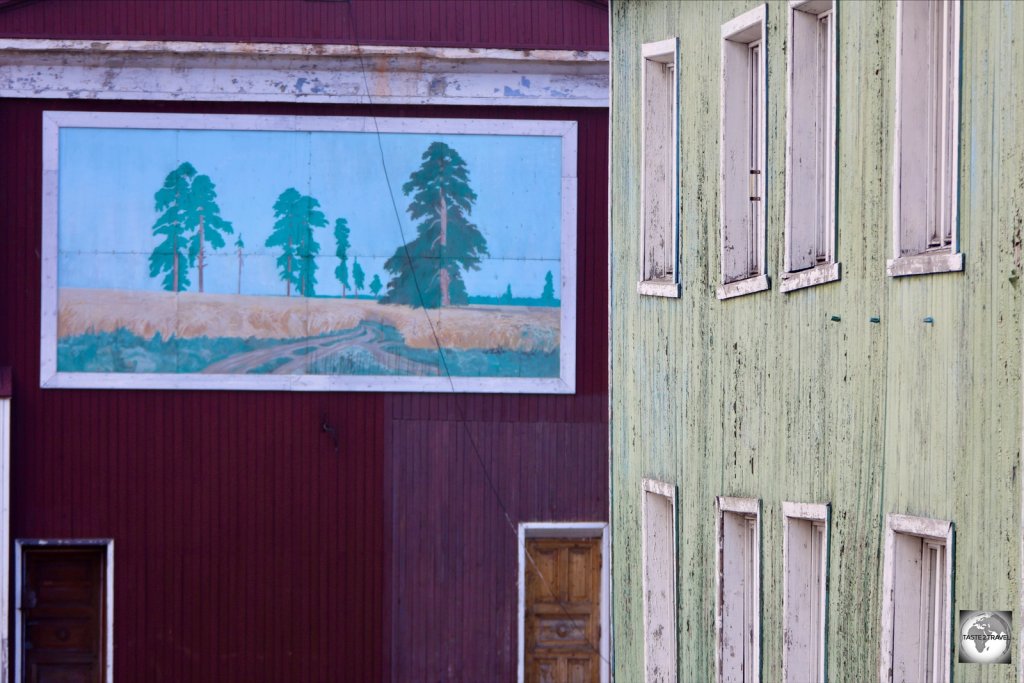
(185, 251)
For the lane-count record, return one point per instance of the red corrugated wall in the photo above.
(521, 24)
(246, 549)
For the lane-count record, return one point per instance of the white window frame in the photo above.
(941, 533)
(748, 508)
(941, 259)
(669, 669)
(565, 530)
(19, 553)
(737, 207)
(794, 660)
(815, 136)
(5, 525)
(666, 53)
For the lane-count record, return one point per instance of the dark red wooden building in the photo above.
(300, 536)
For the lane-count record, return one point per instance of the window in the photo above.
(738, 614)
(805, 567)
(916, 600)
(811, 152)
(659, 169)
(927, 139)
(659, 581)
(743, 155)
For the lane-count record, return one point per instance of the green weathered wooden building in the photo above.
(816, 338)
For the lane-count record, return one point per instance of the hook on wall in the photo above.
(331, 432)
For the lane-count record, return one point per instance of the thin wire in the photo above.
(437, 342)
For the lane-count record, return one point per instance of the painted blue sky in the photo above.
(108, 178)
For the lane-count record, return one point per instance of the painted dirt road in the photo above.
(365, 349)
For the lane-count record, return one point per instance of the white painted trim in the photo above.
(666, 52)
(5, 533)
(565, 530)
(744, 506)
(815, 512)
(737, 26)
(950, 260)
(750, 285)
(818, 512)
(925, 264)
(920, 526)
(53, 121)
(819, 275)
(665, 490)
(925, 528)
(271, 72)
(1020, 535)
(19, 549)
(654, 288)
(662, 488)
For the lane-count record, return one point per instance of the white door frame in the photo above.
(566, 530)
(5, 531)
(19, 553)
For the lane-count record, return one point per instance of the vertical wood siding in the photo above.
(246, 549)
(765, 396)
(537, 24)
(453, 553)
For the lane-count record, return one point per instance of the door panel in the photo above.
(63, 620)
(563, 610)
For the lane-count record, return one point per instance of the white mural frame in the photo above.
(50, 377)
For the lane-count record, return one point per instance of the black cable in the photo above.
(437, 341)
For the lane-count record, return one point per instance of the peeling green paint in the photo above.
(767, 396)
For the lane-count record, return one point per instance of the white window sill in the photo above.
(818, 275)
(925, 264)
(758, 283)
(659, 288)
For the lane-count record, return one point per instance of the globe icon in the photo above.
(985, 637)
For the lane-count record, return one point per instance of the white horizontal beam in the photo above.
(267, 72)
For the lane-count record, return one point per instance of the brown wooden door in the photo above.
(563, 610)
(63, 620)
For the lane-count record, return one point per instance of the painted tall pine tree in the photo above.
(447, 242)
(297, 215)
(189, 219)
(341, 233)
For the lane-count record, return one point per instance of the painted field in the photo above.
(121, 331)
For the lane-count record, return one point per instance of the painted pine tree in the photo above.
(376, 285)
(297, 215)
(341, 233)
(204, 213)
(358, 276)
(447, 242)
(189, 219)
(548, 295)
(240, 245)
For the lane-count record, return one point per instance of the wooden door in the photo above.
(563, 610)
(63, 620)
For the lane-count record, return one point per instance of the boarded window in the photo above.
(739, 590)
(916, 601)
(659, 567)
(805, 560)
(810, 161)
(660, 206)
(927, 139)
(743, 155)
